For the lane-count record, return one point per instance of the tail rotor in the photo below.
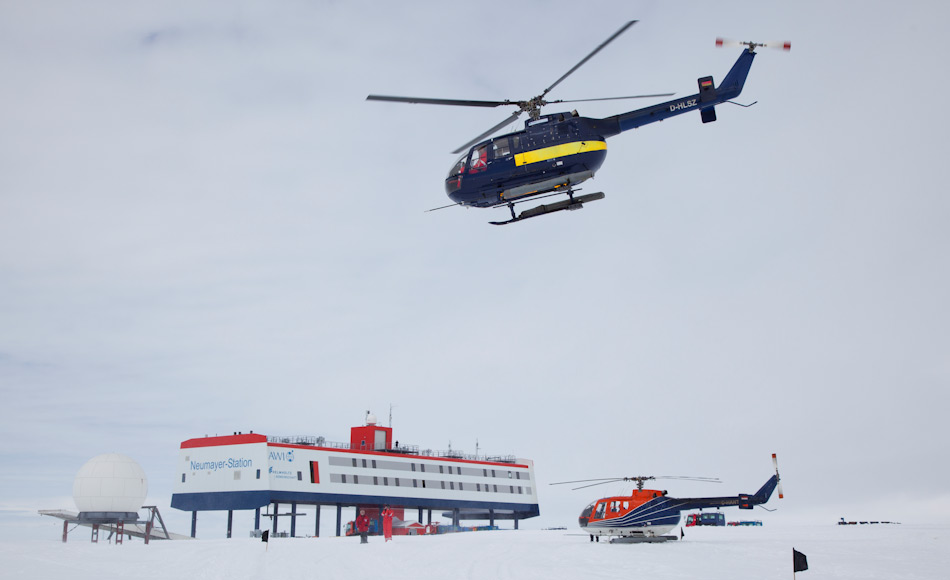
(777, 478)
(776, 44)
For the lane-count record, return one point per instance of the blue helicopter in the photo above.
(557, 152)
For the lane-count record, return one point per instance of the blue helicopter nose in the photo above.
(453, 189)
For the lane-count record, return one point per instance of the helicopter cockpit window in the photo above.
(459, 166)
(479, 161)
(587, 511)
(502, 149)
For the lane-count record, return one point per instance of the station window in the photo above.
(374, 464)
(364, 463)
(258, 474)
(451, 485)
(385, 481)
(496, 488)
(478, 487)
(375, 480)
(183, 478)
(299, 476)
(356, 479)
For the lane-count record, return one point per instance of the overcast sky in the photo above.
(205, 228)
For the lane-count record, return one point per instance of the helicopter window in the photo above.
(501, 148)
(587, 511)
(626, 505)
(601, 507)
(459, 166)
(479, 161)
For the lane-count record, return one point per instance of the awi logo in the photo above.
(287, 456)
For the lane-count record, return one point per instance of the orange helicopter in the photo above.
(648, 514)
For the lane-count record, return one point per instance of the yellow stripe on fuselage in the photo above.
(561, 150)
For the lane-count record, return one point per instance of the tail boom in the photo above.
(704, 101)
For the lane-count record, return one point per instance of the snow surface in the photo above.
(882, 551)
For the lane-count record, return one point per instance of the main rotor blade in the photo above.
(591, 55)
(612, 98)
(587, 480)
(427, 101)
(510, 119)
(593, 484)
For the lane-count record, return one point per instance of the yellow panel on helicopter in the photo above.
(562, 150)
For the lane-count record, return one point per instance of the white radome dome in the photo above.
(110, 483)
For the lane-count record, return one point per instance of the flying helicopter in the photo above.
(554, 153)
(648, 514)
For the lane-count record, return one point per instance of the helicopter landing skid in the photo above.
(642, 539)
(568, 204)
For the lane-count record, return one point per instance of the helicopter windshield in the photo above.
(459, 166)
(587, 511)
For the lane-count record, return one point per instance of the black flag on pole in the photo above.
(264, 535)
(799, 561)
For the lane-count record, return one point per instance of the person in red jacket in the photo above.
(362, 526)
(388, 523)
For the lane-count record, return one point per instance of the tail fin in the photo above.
(731, 86)
(765, 492)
